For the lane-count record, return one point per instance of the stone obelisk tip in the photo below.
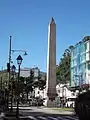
(52, 21)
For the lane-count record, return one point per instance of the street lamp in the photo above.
(13, 71)
(10, 61)
(25, 53)
(19, 61)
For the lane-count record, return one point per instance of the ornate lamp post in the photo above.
(10, 61)
(13, 71)
(19, 61)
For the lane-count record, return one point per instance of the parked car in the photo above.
(70, 102)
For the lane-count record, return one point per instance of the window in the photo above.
(74, 52)
(74, 62)
(84, 78)
(82, 68)
(82, 48)
(88, 66)
(78, 49)
(78, 59)
(83, 58)
(75, 70)
(85, 46)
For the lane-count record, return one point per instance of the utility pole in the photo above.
(1, 82)
(10, 58)
(2, 79)
(9, 72)
(9, 66)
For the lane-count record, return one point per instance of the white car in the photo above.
(70, 102)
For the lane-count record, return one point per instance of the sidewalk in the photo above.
(55, 111)
(46, 110)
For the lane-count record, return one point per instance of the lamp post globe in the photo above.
(19, 60)
(25, 53)
(13, 68)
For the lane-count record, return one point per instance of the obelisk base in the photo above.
(51, 103)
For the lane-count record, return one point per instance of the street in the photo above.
(40, 113)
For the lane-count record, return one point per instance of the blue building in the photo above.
(80, 63)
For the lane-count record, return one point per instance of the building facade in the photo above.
(80, 63)
(25, 72)
(63, 93)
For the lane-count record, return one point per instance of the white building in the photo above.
(41, 93)
(62, 93)
(25, 72)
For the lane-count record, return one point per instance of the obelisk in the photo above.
(51, 65)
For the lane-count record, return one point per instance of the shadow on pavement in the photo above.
(35, 114)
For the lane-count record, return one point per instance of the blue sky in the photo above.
(27, 22)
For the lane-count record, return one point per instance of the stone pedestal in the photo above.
(51, 103)
(51, 99)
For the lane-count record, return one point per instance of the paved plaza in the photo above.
(52, 118)
(41, 113)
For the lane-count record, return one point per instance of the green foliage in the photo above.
(63, 69)
(31, 74)
(40, 83)
(25, 85)
(29, 84)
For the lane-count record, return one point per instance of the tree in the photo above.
(25, 84)
(18, 87)
(40, 83)
(29, 83)
(63, 69)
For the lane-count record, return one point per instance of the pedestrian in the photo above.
(82, 106)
